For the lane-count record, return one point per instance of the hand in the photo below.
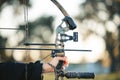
(54, 62)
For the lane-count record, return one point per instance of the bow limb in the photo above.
(60, 7)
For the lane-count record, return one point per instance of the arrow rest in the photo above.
(56, 53)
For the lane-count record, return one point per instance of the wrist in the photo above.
(47, 68)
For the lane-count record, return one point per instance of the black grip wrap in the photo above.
(60, 64)
(79, 75)
(59, 53)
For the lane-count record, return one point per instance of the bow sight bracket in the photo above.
(65, 37)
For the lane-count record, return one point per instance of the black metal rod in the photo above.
(51, 44)
(43, 49)
(10, 28)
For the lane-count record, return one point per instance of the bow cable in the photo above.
(26, 34)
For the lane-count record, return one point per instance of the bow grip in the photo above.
(59, 65)
(60, 53)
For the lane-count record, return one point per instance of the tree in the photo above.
(106, 13)
(39, 29)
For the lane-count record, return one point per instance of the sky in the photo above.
(39, 8)
(47, 7)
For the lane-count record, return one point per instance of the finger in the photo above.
(65, 59)
(62, 58)
(66, 63)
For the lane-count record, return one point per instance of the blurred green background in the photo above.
(98, 25)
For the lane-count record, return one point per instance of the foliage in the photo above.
(104, 12)
(39, 29)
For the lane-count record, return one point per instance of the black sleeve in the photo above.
(17, 71)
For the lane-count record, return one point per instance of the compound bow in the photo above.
(61, 37)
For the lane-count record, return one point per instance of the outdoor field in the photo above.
(69, 35)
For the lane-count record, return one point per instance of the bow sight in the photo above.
(70, 25)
